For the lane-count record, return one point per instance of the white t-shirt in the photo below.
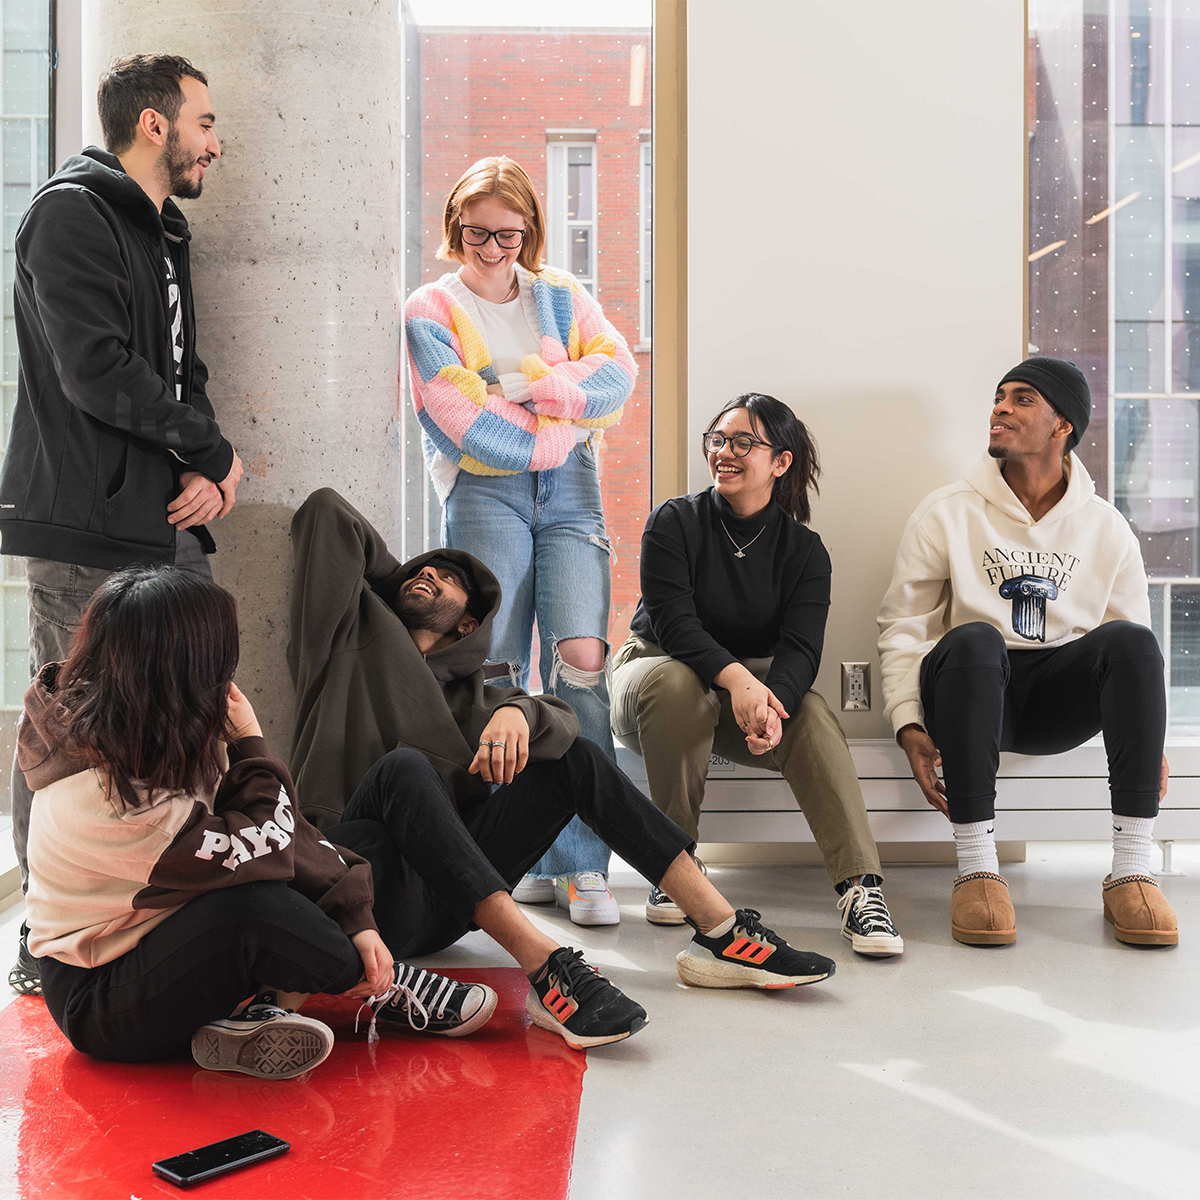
(509, 339)
(175, 313)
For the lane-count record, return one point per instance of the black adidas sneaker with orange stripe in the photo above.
(748, 954)
(568, 996)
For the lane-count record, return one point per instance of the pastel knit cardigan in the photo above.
(581, 379)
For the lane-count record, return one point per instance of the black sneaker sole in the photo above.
(543, 1020)
(278, 1049)
(705, 970)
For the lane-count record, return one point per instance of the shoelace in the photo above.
(418, 992)
(749, 922)
(577, 978)
(263, 1012)
(872, 909)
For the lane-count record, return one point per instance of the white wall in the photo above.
(890, 138)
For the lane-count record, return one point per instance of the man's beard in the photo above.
(437, 614)
(998, 451)
(177, 168)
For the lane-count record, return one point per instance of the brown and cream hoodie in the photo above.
(101, 877)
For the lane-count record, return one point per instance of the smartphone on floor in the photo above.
(197, 1166)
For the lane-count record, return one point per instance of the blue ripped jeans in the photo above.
(542, 535)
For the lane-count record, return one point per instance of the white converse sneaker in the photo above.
(532, 890)
(586, 897)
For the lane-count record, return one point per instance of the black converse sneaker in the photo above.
(748, 954)
(26, 976)
(430, 1003)
(570, 997)
(263, 1040)
(866, 923)
(662, 910)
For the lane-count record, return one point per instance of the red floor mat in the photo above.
(491, 1116)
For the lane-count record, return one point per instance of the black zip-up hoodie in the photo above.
(99, 439)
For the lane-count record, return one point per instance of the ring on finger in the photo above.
(500, 744)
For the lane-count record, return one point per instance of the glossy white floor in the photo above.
(1066, 1065)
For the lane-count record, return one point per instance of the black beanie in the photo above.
(1064, 387)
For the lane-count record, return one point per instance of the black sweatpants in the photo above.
(980, 698)
(196, 967)
(432, 865)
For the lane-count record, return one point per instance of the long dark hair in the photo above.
(143, 693)
(774, 422)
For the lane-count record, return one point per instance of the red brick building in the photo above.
(571, 106)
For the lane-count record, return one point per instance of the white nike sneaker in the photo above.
(586, 897)
(532, 890)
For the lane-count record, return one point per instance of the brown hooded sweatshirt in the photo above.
(102, 876)
(362, 686)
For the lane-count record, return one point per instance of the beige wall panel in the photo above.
(855, 206)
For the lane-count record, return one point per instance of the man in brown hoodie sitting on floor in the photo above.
(453, 789)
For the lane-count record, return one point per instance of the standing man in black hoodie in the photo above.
(115, 456)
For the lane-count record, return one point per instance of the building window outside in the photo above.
(1114, 276)
(572, 105)
(571, 209)
(646, 280)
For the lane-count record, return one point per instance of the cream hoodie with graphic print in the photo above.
(971, 552)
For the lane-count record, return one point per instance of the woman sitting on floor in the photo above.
(725, 646)
(170, 876)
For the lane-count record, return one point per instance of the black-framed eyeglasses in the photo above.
(506, 239)
(741, 443)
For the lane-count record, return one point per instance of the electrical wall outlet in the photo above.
(856, 687)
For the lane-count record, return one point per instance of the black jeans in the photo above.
(432, 865)
(981, 698)
(196, 967)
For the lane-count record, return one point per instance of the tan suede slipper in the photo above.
(1138, 911)
(981, 911)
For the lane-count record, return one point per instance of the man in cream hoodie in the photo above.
(1018, 619)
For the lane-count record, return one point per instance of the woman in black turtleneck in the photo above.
(725, 646)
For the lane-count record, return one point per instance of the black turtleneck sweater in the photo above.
(706, 607)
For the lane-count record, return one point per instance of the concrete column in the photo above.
(295, 269)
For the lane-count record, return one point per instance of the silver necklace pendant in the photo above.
(739, 551)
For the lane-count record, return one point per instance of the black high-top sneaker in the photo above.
(570, 997)
(748, 954)
(26, 976)
(263, 1040)
(866, 923)
(428, 1003)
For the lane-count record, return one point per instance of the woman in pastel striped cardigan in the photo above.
(515, 375)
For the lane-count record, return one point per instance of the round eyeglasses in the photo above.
(506, 239)
(741, 443)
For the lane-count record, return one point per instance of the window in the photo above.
(1114, 276)
(571, 209)
(571, 104)
(646, 289)
(24, 167)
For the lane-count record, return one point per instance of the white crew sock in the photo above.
(1132, 838)
(976, 845)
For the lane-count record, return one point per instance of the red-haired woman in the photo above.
(515, 375)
